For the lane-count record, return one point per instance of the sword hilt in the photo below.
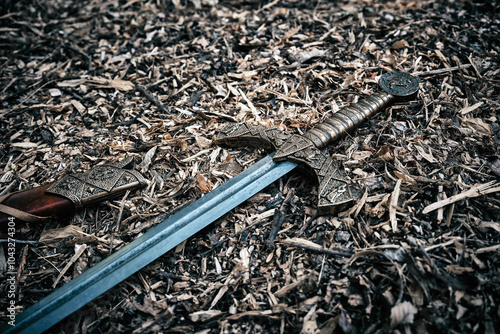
(394, 85)
(334, 191)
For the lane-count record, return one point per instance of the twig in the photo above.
(22, 264)
(200, 112)
(81, 53)
(120, 214)
(279, 216)
(152, 98)
(117, 227)
(70, 263)
(267, 6)
(452, 209)
(29, 242)
(441, 70)
(488, 249)
(306, 244)
(478, 190)
(307, 224)
(393, 205)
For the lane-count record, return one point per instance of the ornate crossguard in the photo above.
(334, 190)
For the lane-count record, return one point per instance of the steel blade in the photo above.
(145, 249)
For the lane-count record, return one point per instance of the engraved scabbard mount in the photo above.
(335, 191)
(100, 183)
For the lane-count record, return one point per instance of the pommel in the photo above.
(399, 84)
(98, 184)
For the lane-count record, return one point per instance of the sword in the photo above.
(291, 150)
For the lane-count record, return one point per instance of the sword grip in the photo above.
(347, 119)
(394, 85)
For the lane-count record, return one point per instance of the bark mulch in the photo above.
(94, 81)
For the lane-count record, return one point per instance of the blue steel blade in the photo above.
(147, 248)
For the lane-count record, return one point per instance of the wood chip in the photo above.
(79, 251)
(155, 81)
(477, 190)
(393, 206)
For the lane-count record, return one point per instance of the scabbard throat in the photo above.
(98, 184)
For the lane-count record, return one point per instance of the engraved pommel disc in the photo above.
(334, 191)
(399, 84)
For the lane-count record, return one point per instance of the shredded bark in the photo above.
(90, 82)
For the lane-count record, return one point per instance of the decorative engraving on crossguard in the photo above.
(334, 191)
(100, 183)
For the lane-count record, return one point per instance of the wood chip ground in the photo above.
(88, 82)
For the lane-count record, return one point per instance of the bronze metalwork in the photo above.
(335, 191)
(62, 198)
(100, 183)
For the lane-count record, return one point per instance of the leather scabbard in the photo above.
(70, 193)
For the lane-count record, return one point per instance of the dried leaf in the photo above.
(301, 241)
(385, 153)
(484, 226)
(243, 76)
(72, 82)
(78, 106)
(361, 155)
(305, 56)
(203, 316)
(402, 314)
(310, 326)
(379, 209)
(458, 270)
(471, 108)
(149, 306)
(230, 167)
(389, 59)
(393, 205)
(203, 183)
(479, 126)
(425, 155)
(202, 41)
(119, 84)
(54, 92)
(401, 44)
(24, 145)
(203, 142)
(148, 159)
(181, 144)
(56, 235)
(405, 177)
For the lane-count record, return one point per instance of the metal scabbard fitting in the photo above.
(100, 183)
(334, 190)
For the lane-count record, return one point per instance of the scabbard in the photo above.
(68, 194)
(38, 202)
